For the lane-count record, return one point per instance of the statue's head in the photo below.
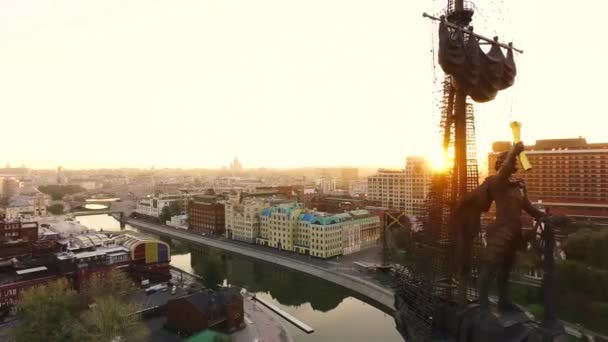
(501, 159)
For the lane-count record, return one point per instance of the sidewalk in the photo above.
(262, 325)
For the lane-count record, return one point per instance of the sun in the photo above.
(440, 160)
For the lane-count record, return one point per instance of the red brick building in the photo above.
(221, 310)
(206, 214)
(17, 237)
(18, 230)
(568, 176)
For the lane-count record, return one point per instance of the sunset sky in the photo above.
(280, 83)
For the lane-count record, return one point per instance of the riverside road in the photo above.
(339, 271)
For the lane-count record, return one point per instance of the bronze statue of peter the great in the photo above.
(504, 237)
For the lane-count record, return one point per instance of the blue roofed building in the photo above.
(292, 227)
(278, 225)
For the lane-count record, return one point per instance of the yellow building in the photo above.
(292, 228)
(278, 226)
(325, 235)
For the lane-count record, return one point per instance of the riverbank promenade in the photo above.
(340, 272)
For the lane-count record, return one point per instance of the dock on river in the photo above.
(304, 327)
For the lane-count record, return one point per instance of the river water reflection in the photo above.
(335, 313)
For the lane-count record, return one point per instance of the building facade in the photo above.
(404, 190)
(221, 310)
(346, 176)
(568, 176)
(206, 214)
(15, 229)
(153, 205)
(418, 175)
(278, 225)
(326, 184)
(178, 221)
(334, 203)
(323, 235)
(243, 219)
(358, 188)
(387, 189)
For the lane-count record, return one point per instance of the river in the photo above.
(335, 313)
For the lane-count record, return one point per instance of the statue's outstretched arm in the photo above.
(529, 208)
(508, 166)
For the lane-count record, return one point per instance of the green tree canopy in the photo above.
(175, 208)
(104, 310)
(56, 209)
(583, 278)
(212, 272)
(57, 192)
(588, 246)
(110, 317)
(115, 283)
(165, 215)
(49, 313)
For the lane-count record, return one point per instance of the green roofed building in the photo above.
(291, 227)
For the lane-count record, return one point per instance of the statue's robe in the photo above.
(465, 227)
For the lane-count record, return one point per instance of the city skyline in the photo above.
(281, 84)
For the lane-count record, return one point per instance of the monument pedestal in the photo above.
(468, 324)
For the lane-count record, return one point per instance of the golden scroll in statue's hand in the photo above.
(523, 158)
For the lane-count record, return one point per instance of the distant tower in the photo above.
(235, 166)
(60, 175)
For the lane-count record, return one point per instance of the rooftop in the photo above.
(207, 299)
(579, 143)
(284, 208)
(325, 219)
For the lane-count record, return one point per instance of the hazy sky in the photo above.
(280, 83)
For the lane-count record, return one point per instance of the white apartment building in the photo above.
(27, 201)
(153, 205)
(243, 219)
(387, 189)
(358, 187)
(326, 184)
(405, 190)
(178, 221)
(418, 175)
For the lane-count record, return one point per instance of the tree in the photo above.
(110, 318)
(165, 215)
(56, 209)
(175, 208)
(114, 283)
(110, 297)
(5, 310)
(211, 271)
(47, 313)
(104, 310)
(588, 246)
(57, 192)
